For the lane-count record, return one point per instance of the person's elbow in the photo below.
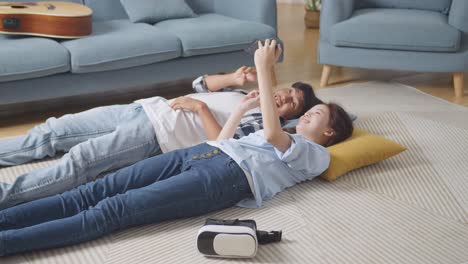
(215, 135)
(273, 138)
(323, 160)
(278, 140)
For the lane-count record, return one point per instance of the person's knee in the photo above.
(47, 130)
(75, 157)
(96, 221)
(74, 167)
(109, 215)
(82, 196)
(48, 125)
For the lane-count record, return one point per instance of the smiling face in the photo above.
(289, 102)
(314, 124)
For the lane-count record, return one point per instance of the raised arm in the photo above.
(250, 101)
(265, 57)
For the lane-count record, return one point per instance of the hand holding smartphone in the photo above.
(254, 45)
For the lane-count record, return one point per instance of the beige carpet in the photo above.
(412, 208)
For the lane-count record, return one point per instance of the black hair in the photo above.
(341, 124)
(310, 100)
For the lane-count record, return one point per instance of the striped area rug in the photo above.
(412, 208)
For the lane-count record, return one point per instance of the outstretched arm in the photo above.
(250, 101)
(240, 77)
(265, 57)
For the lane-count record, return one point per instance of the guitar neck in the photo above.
(53, 8)
(17, 5)
(14, 6)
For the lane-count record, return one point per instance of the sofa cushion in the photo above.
(30, 57)
(201, 6)
(106, 9)
(397, 29)
(442, 6)
(118, 44)
(213, 33)
(153, 11)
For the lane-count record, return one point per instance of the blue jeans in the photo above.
(182, 183)
(98, 140)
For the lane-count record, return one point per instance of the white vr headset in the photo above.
(233, 238)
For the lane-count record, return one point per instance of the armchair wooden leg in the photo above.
(274, 81)
(327, 69)
(458, 84)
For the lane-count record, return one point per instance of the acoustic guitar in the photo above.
(48, 19)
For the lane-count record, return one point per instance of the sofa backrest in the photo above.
(113, 9)
(106, 9)
(442, 6)
(201, 6)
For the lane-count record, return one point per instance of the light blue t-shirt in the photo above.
(271, 170)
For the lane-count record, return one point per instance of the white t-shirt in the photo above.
(177, 129)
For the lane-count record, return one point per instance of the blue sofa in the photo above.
(121, 54)
(409, 35)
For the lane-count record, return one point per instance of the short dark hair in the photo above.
(310, 100)
(341, 124)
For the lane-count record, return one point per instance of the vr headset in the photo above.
(233, 238)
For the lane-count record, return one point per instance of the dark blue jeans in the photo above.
(182, 183)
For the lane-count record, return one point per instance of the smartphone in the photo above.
(254, 45)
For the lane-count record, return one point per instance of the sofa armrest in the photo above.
(262, 11)
(458, 16)
(334, 11)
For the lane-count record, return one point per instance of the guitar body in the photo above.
(48, 19)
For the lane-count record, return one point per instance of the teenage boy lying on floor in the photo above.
(111, 137)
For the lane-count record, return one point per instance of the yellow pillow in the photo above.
(361, 149)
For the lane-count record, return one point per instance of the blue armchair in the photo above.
(409, 35)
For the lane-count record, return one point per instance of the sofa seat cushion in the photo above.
(212, 33)
(118, 44)
(30, 57)
(397, 29)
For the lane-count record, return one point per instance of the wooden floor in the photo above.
(300, 64)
